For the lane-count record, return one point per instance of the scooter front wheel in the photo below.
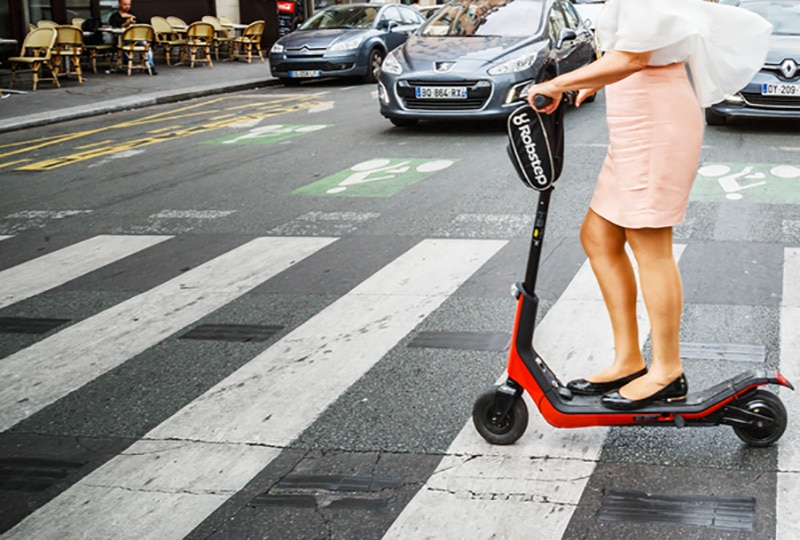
(759, 433)
(500, 431)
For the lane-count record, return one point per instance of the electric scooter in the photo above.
(758, 417)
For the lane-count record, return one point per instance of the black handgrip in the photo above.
(540, 101)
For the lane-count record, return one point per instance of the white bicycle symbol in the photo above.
(730, 182)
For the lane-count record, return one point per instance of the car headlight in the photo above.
(391, 65)
(277, 48)
(348, 45)
(512, 65)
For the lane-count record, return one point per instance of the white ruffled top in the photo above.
(724, 46)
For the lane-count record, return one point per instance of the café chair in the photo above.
(45, 23)
(199, 37)
(225, 20)
(251, 37)
(36, 53)
(136, 45)
(67, 51)
(221, 36)
(77, 21)
(178, 24)
(167, 38)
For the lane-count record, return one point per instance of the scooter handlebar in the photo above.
(540, 101)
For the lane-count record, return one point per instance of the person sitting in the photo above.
(123, 18)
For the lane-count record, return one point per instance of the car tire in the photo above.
(714, 119)
(374, 65)
(404, 122)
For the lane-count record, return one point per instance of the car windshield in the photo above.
(508, 18)
(783, 14)
(342, 17)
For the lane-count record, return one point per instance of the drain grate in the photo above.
(26, 325)
(232, 332)
(724, 351)
(288, 492)
(734, 513)
(338, 483)
(33, 475)
(472, 341)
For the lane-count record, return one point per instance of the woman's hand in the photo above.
(544, 89)
(585, 94)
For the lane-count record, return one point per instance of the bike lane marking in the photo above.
(269, 134)
(758, 182)
(377, 177)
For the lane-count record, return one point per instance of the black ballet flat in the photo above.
(674, 391)
(582, 387)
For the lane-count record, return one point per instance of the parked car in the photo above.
(589, 10)
(343, 41)
(774, 91)
(474, 59)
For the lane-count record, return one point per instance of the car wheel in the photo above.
(714, 119)
(404, 122)
(374, 66)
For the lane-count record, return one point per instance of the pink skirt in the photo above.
(655, 129)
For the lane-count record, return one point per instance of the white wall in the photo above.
(229, 8)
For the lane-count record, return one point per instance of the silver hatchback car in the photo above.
(474, 59)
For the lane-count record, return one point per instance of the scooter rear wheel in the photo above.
(500, 431)
(766, 404)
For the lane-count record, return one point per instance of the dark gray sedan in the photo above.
(774, 92)
(474, 58)
(342, 41)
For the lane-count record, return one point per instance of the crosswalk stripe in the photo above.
(165, 484)
(788, 487)
(530, 488)
(48, 370)
(5, 236)
(54, 269)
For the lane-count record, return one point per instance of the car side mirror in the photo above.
(389, 25)
(566, 34)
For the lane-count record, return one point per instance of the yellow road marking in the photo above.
(217, 109)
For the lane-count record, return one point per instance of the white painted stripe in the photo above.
(529, 489)
(5, 236)
(48, 370)
(788, 488)
(167, 483)
(192, 214)
(47, 214)
(54, 269)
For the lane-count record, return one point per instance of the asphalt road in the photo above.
(358, 275)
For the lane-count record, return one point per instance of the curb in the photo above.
(122, 104)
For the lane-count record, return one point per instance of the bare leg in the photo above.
(604, 243)
(663, 296)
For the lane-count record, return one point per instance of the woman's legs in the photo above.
(663, 297)
(604, 243)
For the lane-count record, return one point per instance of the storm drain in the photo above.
(724, 351)
(471, 341)
(25, 325)
(32, 475)
(329, 491)
(232, 332)
(735, 513)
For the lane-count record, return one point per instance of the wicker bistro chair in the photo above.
(167, 38)
(36, 53)
(251, 37)
(199, 37)
(179, 25)
(67, 51)
(46, 23)
(221, 36)
(136, 44)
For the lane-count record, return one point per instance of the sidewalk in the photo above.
(103, 92)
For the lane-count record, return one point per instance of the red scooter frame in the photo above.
(500, 415)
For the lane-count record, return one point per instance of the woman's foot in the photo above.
(585, 387)
(673, 391)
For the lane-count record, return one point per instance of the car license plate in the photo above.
(780, 89)
(441, 92)
(304, 74)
